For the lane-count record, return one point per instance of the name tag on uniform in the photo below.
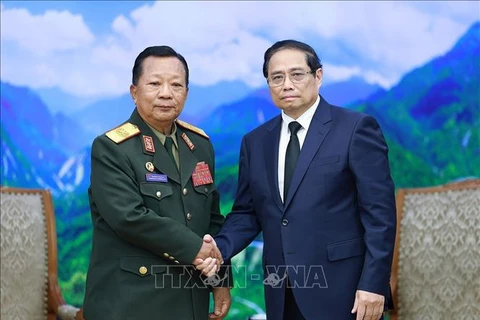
(156, 177)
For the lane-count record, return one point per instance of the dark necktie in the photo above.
(169, 147)
(293, 150)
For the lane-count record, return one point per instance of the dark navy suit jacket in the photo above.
(335, 232)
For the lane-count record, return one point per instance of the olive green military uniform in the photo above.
(146, 229)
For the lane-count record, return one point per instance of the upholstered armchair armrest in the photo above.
(79, 315)
(68, 312)
(393, 314)
(394, 287)
(57, 306)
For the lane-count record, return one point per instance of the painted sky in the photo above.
(87, 48)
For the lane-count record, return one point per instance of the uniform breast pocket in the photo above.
(157, 197)
(205, 200)
(156, 191)
(205, 190)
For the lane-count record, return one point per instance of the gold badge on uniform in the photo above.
(150, 167)
(187, 140)
(148, 144)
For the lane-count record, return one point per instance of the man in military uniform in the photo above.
(152, 199)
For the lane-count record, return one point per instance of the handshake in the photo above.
(209, 259)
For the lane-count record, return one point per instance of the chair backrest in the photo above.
(436, 265)
(28, 253)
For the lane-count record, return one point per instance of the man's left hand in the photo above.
(368, 305)
(221, 302)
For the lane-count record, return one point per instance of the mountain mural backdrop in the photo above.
(431, 120)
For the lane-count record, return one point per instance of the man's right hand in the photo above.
(209, 258)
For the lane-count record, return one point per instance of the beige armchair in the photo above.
(29, 285)
(436, 264)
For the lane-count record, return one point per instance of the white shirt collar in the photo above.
(305, 119)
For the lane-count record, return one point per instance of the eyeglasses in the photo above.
(296, 76)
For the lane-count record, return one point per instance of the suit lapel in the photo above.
(318, 130)
(271, 159)
(161, 160)
(188, 159)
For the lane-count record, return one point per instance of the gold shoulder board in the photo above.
(123, 132)
(192, 128)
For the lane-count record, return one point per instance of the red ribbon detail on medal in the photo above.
(201, 175)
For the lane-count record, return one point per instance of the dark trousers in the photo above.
(291, 311)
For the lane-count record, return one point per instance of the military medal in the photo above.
(201, 175)
(149, 166)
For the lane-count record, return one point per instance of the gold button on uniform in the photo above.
(176, 261)
(143, 270)
(166, 255)
(172, 258)
(185, 191)
(159, 194)
(189, 216)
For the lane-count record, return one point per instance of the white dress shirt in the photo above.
(305, 119)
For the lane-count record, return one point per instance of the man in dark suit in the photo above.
(152, 199)
(316, 181)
